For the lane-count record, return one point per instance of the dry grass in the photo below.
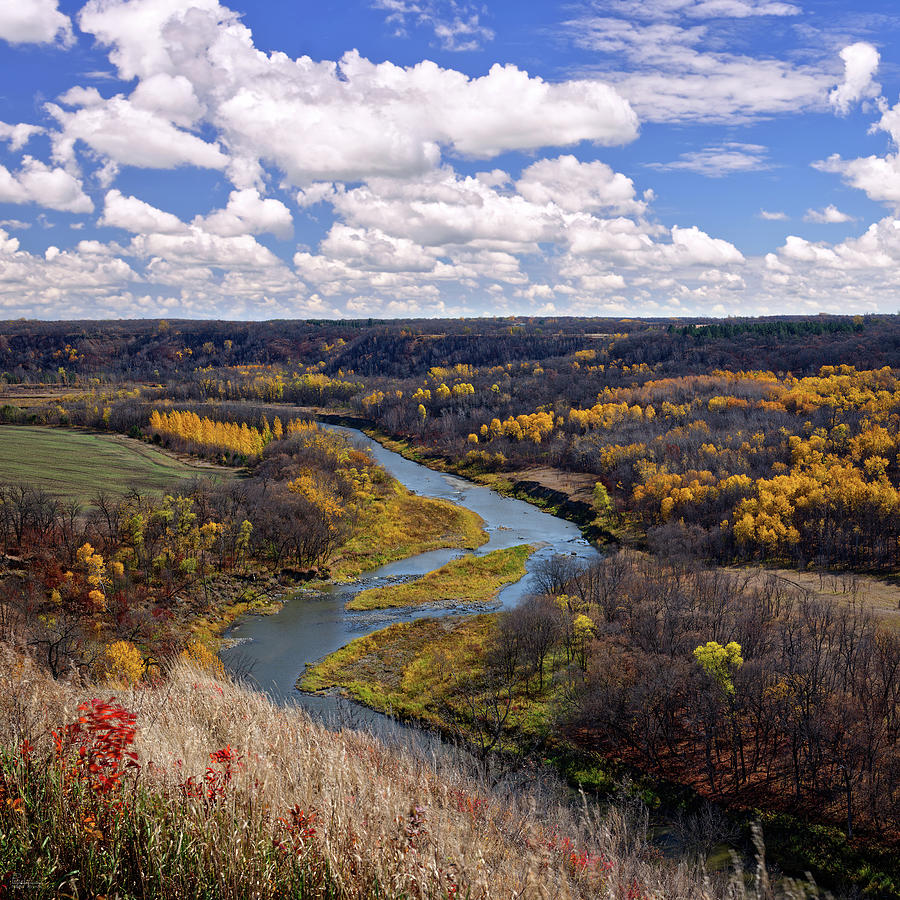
(388, 822)
(575, 485)
(878, 595)
(27, 396)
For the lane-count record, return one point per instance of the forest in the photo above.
(797, 463)
(708, 460)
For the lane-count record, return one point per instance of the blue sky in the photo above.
(441, 157)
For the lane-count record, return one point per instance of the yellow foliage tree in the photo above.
(199, 655)
(96, 576)
(123, 663)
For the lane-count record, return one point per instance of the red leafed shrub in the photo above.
(472, 804)
(579, 860)
(214, 784)
(300, 828)
(101, 736)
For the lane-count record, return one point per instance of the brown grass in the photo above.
(575, 485)
(391, 822)
(879, 595)
(27, 396)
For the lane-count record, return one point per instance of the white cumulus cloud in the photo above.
(36, 182)
(374, 250)
(692, 246)
(860, 65)
(18, 135)
(248, 213)
(443, 208)
(128, 134)
(878, 176)
(136, 216)
(198, 247)
(321, 121)
(34, 22)
(578, 186)
(830, 215)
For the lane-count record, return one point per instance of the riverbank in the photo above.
(554, 491)
(566, 495)
(396, 527)
(215, 602)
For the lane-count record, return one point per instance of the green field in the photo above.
(78, 464)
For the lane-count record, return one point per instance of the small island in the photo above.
(461, 582)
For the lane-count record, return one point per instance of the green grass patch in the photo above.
(402, 524)
(413, 670)
(78, 464)
(384, 669)
(472, 579)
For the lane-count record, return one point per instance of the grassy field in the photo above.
(472, 579)
(26, 396)
(878, 595)
(403, 524)
(78, 464)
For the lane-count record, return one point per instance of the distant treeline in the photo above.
(154, 350)
(779, 442)
(780, 328)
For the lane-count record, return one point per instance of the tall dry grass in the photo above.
(304, 811)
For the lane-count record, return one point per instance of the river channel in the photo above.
(311, 625)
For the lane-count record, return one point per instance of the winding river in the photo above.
(313, 624)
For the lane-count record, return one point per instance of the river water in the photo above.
(311, 625)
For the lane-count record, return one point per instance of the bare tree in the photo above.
(553, 575)
(539, 626)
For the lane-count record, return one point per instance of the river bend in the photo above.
(313, 624)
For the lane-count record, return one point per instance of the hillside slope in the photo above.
(232, 796)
